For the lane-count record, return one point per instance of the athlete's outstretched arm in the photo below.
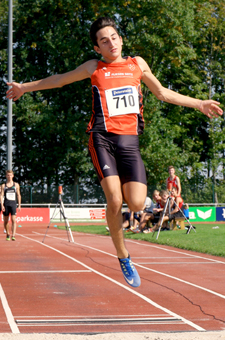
(209, 107)
(81, 72)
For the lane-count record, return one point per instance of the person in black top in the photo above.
(10, 194)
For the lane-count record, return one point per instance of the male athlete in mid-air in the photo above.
(115, 124)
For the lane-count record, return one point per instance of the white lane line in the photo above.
(44, 271)
(188, 322)
(8, 312)
(175, 251)
(106, 316)
(173, 263)
(150, 245)
(154, 271)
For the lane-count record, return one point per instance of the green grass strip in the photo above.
(206, 239)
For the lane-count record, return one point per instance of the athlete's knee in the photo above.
(6, 219)
(114, 204)
(136, 204)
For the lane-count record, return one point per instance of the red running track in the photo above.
(65, 287)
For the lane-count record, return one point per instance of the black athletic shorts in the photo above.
(117, 155)
(10, 209)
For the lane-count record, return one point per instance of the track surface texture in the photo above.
(58, 289)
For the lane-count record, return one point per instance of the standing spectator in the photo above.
(10, 192)
(173, 180)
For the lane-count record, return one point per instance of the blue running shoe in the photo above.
(129, 272)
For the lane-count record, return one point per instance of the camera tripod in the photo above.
(190, 227)
(60, 206)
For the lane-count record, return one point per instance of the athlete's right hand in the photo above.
(15, 92)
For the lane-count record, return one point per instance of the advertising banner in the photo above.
(202, 214)
(220, 214)
(32, 215)
(81, 214)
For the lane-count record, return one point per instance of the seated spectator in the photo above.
(130, 221)
(185, 209)
(176, 210)
(161, 199)
(148, 205)
(149, 213)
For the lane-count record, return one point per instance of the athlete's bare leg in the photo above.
(112, 189)
(13, 225)
(134, 194)
(6, 224)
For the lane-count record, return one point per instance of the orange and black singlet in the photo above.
(117, 99)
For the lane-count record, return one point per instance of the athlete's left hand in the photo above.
(210, 108)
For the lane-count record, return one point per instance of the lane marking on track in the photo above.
(173, 263)
(188, 322)
(44, 271)
(150, 246)
(176, 251)
(152, 270)
(8, 312)
(88, 317)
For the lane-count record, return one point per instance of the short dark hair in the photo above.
(99, 24)
(171, 167)
(164, 192)
(9, 172)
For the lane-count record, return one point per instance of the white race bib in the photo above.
(122, 100)
(11, 196)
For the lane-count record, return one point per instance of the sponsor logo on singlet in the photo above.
(119, 75)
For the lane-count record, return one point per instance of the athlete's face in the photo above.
(164, 197)
(171, 172)
(109, 44)
(9, 176)
(156, 197)
(174, 192)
